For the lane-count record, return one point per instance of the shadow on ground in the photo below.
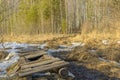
(83, 73)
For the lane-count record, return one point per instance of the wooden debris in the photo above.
(13, 69)
(39, 61)
(31, 53)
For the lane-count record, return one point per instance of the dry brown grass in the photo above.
(104, 30)
(30, 38)
(96, 36)
(82, 54)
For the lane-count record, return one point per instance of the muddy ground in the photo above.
(93, 61)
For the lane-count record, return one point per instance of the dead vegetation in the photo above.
(89, 57)
(95, 60)
(2, 55)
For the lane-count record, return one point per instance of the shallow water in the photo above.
(13, 49)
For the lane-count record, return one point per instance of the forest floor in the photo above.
(97, 59)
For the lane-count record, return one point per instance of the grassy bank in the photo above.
(30, 38)
(75, 37)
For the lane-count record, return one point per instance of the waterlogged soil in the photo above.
(93, 61)
(99, 65)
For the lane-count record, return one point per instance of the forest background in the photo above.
(38, 17)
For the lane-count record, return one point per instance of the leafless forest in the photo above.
(59, 16)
